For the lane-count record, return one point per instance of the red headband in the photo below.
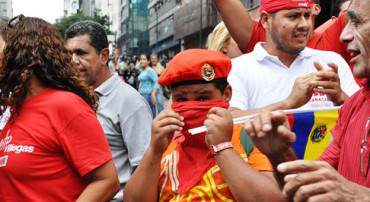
(272, 6)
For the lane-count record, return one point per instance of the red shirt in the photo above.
(49, 147)
(329, 38)
(344, 153)
(323, 39)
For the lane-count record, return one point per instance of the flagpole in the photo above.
(244, 119)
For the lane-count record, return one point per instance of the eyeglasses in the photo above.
(14, 21)
(364, 150)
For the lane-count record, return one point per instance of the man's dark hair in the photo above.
(98, 36)
(316, 1)
(220, 83)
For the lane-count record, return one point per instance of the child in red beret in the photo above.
(212, 166)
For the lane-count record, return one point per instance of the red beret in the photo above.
(196, 65)
(272, 6)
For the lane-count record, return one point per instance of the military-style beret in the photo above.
(196, 65)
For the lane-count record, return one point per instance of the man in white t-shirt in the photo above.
(283, 73)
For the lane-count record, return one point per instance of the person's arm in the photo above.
(143, 184)
(272, 136)
(300, 95)
(318, 181)
(248, 184)
(237, 20)
(154, 94)
(285, 104)
(261, 185)
(102, 185)
(156, 86)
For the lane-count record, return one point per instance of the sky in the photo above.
(48, 10)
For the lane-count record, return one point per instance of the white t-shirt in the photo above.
(259, 79)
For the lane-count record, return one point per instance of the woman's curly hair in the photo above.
(35, 47)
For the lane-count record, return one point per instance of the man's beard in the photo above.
(282, 46)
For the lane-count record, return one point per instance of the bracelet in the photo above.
(221, 146)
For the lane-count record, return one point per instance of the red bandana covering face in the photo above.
(195, 157)
(272, 6)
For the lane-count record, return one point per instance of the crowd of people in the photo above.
(75, 127)
(142, 74)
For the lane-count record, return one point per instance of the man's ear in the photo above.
(228, 93)
(104, 55)
(316, 9)
(264, 20)
(224, 50)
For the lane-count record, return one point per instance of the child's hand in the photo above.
(163, 127)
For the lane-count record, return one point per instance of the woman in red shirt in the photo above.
(52, 148)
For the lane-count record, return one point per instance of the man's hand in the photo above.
(316, 181)
(270, 132)
(301, 92)
(163, 128)
(219, 125)
(327, 82)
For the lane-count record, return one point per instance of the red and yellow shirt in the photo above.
(213, 186)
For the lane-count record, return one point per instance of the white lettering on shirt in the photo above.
(319, 100)
(7, 147)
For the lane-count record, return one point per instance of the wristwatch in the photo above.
(221, 146)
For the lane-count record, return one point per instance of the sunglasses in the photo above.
(14, 21)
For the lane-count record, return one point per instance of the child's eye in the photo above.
(203, 99)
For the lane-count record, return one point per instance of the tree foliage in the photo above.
(63, 23)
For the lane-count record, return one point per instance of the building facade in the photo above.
(71, 7)
(87, 7)
(6, 9)
(194, 20)
(161, 27)
(134, 35)
(110, 8)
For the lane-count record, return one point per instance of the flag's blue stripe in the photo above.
(302, 126)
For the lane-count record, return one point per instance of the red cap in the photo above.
(272, 6)
(196, 65)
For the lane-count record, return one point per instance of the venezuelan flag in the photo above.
(313, 131)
